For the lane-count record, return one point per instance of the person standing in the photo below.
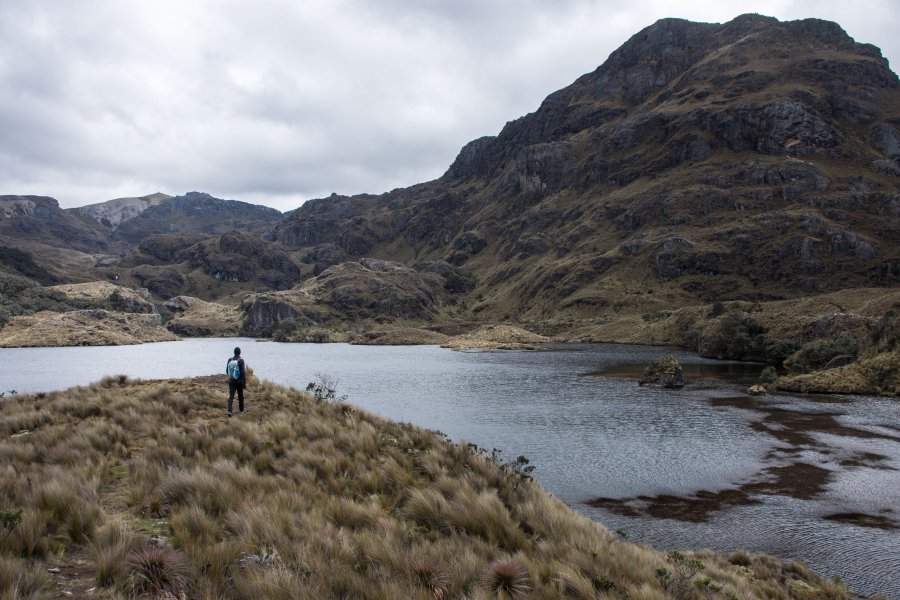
(237, 379)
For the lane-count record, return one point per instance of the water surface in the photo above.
(592, 433)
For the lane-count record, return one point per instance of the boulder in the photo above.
(664, 372)
(757, 390)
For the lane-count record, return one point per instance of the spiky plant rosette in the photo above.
(431, 577)
(156, 571)
(507, 579)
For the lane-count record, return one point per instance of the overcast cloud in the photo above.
(278, 101)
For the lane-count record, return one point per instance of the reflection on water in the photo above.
(578, 414)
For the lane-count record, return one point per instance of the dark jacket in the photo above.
(242, 380)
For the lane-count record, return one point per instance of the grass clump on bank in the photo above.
(144, 490)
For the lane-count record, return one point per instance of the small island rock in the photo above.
(665, 372)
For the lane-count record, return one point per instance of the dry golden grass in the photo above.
(497, 337)
(83, 328)
(145, 489)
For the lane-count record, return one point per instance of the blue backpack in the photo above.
(233, 368)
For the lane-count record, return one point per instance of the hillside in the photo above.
(143, 489)
(196, 212)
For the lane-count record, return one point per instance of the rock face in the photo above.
(665, 372)
(114, 212)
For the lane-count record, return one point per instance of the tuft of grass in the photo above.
(506, 579)
(740, 558)
(432, 578)
(22, 581)
(156, 570)
(109, 550)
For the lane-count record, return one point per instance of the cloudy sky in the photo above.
(278, 101)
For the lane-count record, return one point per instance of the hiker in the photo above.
(237, 379)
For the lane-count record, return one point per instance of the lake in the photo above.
(809, 478)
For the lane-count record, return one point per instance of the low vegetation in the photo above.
(143, 489)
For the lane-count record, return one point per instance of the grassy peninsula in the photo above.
(143, 489)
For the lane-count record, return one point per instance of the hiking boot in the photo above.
(229, 414)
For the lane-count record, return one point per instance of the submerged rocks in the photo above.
(664, 372)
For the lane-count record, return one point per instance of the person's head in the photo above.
(237, 351)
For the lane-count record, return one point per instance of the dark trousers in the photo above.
(232, 387)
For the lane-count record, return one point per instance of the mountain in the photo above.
(43, 242)
(197, 212)
(40, 220)
(754, 160)
(113, 212)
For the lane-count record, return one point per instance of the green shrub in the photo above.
(816, 354)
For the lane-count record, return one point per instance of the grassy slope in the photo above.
(138, 487)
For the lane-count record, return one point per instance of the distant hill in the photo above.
(40, 220)
(197, 212)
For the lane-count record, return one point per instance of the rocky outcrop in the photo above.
(324, 256)
(263, 312)
(371, 288)
(665, 372)
(103, 293)
(241, 257)
(192, 317)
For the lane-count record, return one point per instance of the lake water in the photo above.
(814, 479)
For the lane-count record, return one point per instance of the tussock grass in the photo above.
(145, 488)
